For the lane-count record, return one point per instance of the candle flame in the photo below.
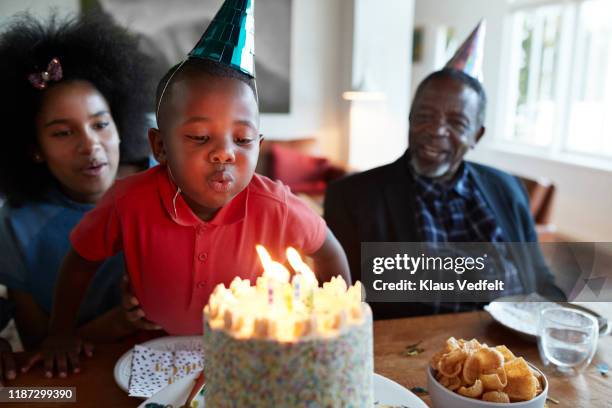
(283, 309)
(296, 262)
(272, 269)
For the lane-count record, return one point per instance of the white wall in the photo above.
(462, 16)
(382, 49)
(333, 44)
(584, 195)
(320, 65)
(583, 203)
(40, 8)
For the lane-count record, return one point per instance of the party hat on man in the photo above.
(230, 37)
(469, 56)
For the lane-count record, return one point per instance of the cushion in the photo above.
(301, 172)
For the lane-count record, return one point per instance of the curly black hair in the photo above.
(90, 47)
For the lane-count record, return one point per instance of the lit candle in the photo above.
(270, 292)
(310, 299)
(296, 288)
(272, 269)
(300, 267)
(281, 306)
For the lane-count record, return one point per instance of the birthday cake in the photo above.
(288, 342)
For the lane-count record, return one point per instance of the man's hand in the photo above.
(132, 310)
(7, 362)
(58, 352)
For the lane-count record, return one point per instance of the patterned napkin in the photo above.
(153, 369)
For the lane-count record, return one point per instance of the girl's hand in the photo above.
(58, 352)
(7, 362)
(133, 313)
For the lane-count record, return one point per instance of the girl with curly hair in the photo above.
(74, 96)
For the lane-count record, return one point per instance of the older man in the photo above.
(432, 194)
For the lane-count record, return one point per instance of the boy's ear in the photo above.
(261, 139)
(157, 145)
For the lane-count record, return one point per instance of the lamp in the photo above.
(363, 92)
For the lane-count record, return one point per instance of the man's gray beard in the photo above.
(435, 173)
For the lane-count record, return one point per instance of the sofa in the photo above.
(299, 165)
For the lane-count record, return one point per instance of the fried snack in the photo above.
(484, 360)
(471, 370)
(490, 359)
(522, 384)
(522, 388)
(451, 344)
(540, 378)
(470, 346)
(496, 381)
(452, 383)
(475, 391)
(508, 355)
(495, 396)
(451, 363)
(517, 368)
(493, 374)
(435, 360)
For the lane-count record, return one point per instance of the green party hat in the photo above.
(230, 37)
(469, 56)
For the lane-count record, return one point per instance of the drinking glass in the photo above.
(567, 339)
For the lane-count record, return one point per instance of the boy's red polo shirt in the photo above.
(174, 259)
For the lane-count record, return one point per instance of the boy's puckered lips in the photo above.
(221, 181)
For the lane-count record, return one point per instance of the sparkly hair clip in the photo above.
(39, 80)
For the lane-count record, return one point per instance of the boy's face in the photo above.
(209, 139)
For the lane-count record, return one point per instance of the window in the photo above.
(559, 88)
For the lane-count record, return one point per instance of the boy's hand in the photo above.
(7, 362)
(132, 311)
(58, 352)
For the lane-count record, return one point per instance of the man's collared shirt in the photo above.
(457, 212)
(174, 259)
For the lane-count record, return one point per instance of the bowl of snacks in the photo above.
(467, 374)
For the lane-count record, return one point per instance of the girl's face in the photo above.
(78, 140)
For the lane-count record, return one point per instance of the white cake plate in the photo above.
(386, 391)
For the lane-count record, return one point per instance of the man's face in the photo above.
(209, 140)
(443, 126)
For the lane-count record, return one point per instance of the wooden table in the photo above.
(589, 390)
(96, 386)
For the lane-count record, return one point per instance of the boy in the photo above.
(192, 222)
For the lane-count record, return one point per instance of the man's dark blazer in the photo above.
(379, 205)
